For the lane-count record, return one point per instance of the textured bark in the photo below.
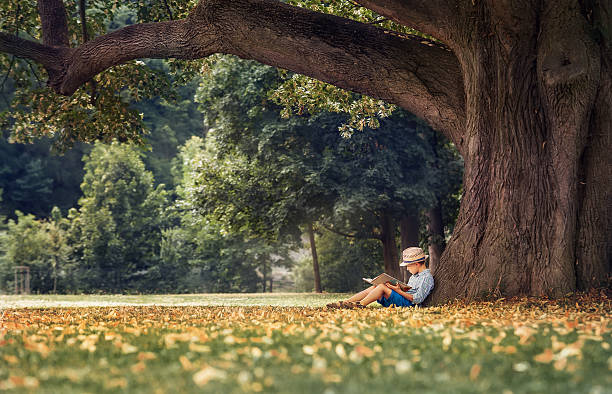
(530, 90)
(428, 16)
(594, 254)
(435, 230)
(594, 244)
(53, 22)
(390, 256)
(315, 259)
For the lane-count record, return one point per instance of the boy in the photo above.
(420, 285)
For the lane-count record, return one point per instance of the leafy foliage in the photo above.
(523, 345)
(266, 174)
(34, 180)
(98, 111)
(40, 245)
(117, 230)
(223, 261)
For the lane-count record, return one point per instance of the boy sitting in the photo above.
(419, 286)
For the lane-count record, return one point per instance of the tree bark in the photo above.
(594, 242)
(53, 22)
(435, 229)
(531, 88)
(390, 256)
(315, 259)
(264, 272)
(429, 16)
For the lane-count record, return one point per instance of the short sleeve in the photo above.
(424, 290)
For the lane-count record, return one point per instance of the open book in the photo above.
(384, 278)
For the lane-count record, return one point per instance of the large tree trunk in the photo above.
(389, 244)
(594, 242)
(531, 83)
(315, 259)
(435, 230)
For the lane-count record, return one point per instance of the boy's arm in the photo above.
(398, 289)
(423, 290)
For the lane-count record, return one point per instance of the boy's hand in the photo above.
(392, 287)
(404, 288)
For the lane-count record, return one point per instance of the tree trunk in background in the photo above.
(390, 257)
(315, 259)
(409, 236)
(265, 278)
(435, 230)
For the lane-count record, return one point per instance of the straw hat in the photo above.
(413, 255)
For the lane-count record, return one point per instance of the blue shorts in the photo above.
(394, 299)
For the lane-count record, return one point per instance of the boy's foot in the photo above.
(351, 305)
(345, 305)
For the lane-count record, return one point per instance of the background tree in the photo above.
(39, 245)
(521, 89)
(35, 180)
(117, 230)
(221, 260)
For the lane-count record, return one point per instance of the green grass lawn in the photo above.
(193, 344)
(236, 299)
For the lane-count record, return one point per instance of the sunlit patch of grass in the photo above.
(527, 345)
(232, 299)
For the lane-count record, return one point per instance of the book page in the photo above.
(383, 278)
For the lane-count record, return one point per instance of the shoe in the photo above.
(351, 305)
(335, 305)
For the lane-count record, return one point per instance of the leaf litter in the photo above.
(515, 345)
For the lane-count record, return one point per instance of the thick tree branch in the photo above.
(418, 75)
(427, 16)
(49, 57)
(53, 21)
(176, 39)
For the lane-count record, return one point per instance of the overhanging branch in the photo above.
(50, 57)
(427, 16)
(418, 75)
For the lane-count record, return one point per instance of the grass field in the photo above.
(252, 299)
(289, 343)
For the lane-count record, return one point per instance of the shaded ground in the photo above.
(519, 346)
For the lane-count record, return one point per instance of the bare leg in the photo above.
(375, 294)
(361, 295)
